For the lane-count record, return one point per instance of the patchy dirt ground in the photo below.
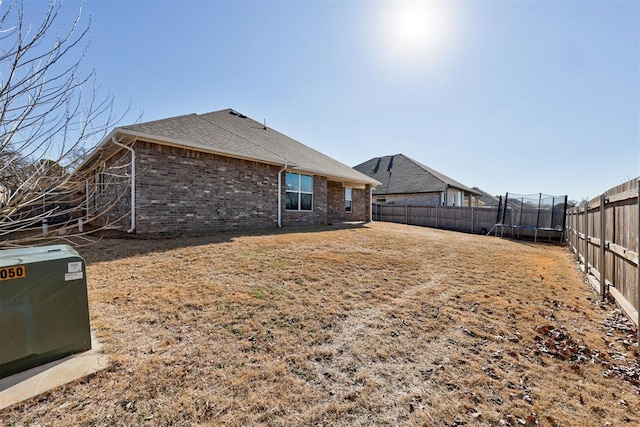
(382, 324)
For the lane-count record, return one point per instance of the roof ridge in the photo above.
(244, 117)
(270, 129)
(310, 148)
(157, 120)
(437, 174)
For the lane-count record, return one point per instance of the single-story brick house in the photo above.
(408, 182)
(218, 171)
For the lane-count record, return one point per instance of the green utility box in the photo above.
(44, 310)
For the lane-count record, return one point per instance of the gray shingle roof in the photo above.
(231, 133)
(400, 174)
(487, 198)
(194, 132)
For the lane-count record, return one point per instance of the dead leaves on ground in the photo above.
(558, 343)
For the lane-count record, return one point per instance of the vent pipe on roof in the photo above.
(265, 124)
(377, 166)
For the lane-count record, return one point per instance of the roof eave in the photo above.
(128, 136)
(347, 179)
(203, 148)
(96, 150)
(120, 134)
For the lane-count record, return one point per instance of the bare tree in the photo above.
(50, 115)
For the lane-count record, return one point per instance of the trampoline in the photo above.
(531, 215)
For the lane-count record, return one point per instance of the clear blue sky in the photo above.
(509, 96)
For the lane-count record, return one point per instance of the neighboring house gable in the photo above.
(487, 200)
(407, 181)
(223, 171)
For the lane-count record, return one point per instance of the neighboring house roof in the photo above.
(232, 134)
(486, 198)
(400, 174)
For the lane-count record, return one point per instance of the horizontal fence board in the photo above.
(628, 308)
(603, 233)
(630, 194)
(624, 252)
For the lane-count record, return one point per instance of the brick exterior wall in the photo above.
(181, 190)
(367, 203)
(360, 205)
(335, 202)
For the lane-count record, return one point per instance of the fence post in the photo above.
(472, 219)
(569, 234)
(578, 230)
(576, 225)
(586, 237)
(437, 216)
(638, 268)
(603, 248)
(406, 214)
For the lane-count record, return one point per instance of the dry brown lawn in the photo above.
(381, 324)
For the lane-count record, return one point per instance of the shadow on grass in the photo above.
(114, 245)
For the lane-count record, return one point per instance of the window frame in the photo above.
(299, 192)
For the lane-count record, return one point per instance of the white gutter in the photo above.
(133, 183)
(280, 195)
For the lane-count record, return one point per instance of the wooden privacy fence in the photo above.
(603, 233)
(459, 218)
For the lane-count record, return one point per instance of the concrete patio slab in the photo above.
(30, 383)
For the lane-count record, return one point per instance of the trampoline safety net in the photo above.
(537, 212)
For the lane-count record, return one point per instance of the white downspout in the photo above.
(280, 195)
(133, 183)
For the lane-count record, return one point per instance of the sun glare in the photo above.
(416, 29)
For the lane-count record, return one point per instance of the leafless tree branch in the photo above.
(51, 115)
